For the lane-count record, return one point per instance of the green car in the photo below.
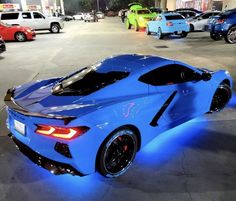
(138, 17)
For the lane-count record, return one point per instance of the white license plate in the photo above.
(179, 32)
(20, 127)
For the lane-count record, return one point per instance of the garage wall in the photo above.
(229, 3)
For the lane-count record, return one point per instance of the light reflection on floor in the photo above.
(162, 149)
(158, 151)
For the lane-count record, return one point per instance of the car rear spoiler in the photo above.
(10, 102)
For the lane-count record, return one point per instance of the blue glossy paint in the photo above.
(178, 25)
(126, 102)
(229, 20)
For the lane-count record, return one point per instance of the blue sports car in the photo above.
(97, 118)
(167, 24)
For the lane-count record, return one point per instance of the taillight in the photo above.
(61, 132)
(169, 24)
(220, 21)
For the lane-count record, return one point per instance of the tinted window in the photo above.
(37, 15)
(170, 74)
(206, 16)
(10, 16)
(26, 15)
(174, 17)
(87, 81)
(141, 12)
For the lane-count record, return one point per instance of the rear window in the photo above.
(87, 81)
(9, 16)
(174, 17)
(142, 12)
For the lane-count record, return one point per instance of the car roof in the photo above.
(132, 63)
(170, 13)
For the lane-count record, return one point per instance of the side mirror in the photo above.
(206, 76)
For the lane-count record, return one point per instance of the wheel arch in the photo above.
(53, 22)
(226, 81)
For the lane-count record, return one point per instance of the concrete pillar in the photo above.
(62, 7)
(171, 5)
(163, 4)
(24, 5)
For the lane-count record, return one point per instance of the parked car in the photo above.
(188, 13)
(33, 19)
(100, 15)
(55, 121)
(155, 10)
(167, 24)
(138, 17)
(2, 45)
(224, 25)
(111, 13)
(18, 33)
(199, 22)
(90, 17)
(65, 17)
(188, 9)
(79, 16)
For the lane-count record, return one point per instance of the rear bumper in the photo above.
(54, 167)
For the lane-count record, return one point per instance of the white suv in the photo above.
(33, 19)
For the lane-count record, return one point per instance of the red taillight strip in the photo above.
(61, 132)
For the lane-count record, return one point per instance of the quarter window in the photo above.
(170, 74)
(9, 16)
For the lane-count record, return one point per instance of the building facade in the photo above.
(48, 7)
(197, 4)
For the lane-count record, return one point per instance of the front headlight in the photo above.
(28, 30)
(141, 18)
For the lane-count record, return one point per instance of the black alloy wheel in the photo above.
(184, 34)
(117, 153)
(230, 37)
(55, 28)
(221, 97)
(148, 31)
(191, 28)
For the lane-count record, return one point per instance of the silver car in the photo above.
(199, 22)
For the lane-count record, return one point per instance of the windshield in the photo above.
(142, 12)
(87, 81)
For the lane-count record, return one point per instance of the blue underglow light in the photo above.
(172, 142)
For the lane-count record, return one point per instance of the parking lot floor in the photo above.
(192, 162)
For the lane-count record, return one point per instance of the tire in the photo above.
(191, 28)
(55, 28)
(216, 36)
(20, 37)
(221, 97)
(128, 25)
(184, 34)
(147, 31)
(136, 26)
(230, 36)
(117, 153)
(159, 33)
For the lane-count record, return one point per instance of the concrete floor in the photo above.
(195, 161)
